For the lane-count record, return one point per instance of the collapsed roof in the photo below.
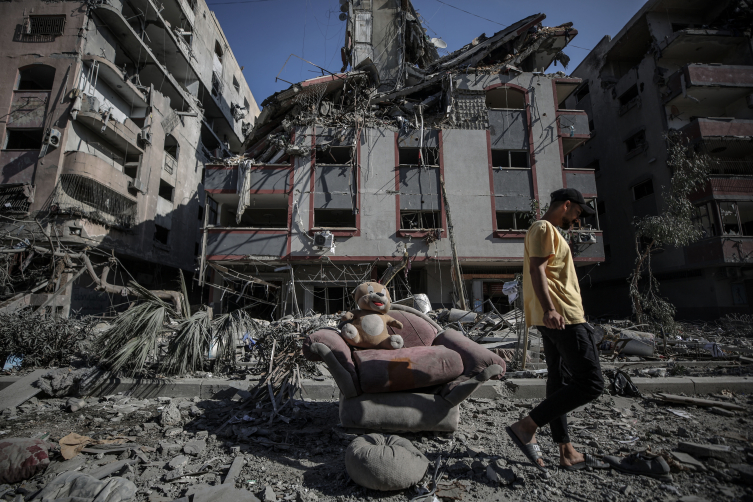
(363, 97)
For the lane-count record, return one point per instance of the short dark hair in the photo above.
(556, 203)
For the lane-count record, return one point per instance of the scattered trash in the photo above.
(683, 414)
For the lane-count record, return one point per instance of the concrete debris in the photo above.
(170, 415)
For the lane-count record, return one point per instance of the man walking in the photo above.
(551, 295)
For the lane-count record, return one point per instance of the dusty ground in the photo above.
(303, 460)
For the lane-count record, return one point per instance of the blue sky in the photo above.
(263, 33)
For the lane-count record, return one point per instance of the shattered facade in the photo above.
(387, 163)
(115, 108)
(677, 67)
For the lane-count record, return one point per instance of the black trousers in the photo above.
(574, 379)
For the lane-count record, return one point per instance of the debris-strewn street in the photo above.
(167, 454)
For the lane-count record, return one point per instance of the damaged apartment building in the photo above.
(115, 107)
(687, 67)
(403, 159)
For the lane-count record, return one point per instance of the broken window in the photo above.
(420, 199)
(335, 202)
(636, 143)
(166, 190)
(330, 300)
(510, 159)
(131, 165)
(581, 93)
(703, 219)
(417, 156)
(339, 155)
(643, 189)
(246, 106)
(513, 220)
(737, 218)
(23, 139)
(591, 125)
(590, 222)
(601, 207)
(161, 234)
(629, 99)
(218, 52)
(172, 148)
(506, 97)
(236, 85)
(216, 84)
(36, 77)
(45, 25)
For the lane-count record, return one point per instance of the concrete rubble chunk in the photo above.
(194, 447)
(269, 494)
(170, 415)
(74, 404)
(235, 470)
(220, 493)
(719, 452)
(178, 462)
(688, 460)
(500, 475)
(745, 471)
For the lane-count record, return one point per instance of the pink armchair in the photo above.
(416, 388)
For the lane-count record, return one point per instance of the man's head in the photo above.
(567, 206)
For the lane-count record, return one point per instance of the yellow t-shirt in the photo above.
(543, 240)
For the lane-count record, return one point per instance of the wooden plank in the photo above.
(21, 391)
(234, 471)
(672, 398)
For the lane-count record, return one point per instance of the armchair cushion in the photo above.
(416, 332)
(406, 369)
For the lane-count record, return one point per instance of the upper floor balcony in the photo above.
(573, 129)
(707, 90)
(703, 46)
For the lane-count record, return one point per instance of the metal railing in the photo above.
(728, 166)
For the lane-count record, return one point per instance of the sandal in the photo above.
(532, 451)
(589, 461)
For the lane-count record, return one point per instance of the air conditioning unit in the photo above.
(137, 184)
(587, 237)
(146, 137)
(52, 137)
(324, 239)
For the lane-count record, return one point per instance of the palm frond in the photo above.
(133, 338)
(189, 346)
(184, 295)
(227, 331)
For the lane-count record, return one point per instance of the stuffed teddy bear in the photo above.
(367, 328)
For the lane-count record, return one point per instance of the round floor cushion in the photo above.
(384, 462)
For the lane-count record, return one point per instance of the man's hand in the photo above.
(553, 320)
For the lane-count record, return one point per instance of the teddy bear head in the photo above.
(372, 296)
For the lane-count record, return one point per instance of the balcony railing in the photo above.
(742, 167)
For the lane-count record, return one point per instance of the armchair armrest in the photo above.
(476, 358)
(462, 390)
(327, 345)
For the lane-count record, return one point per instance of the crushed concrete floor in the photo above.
(303, 460)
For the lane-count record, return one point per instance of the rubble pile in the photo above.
(169, 448)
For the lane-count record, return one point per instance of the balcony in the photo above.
(718, 128)
(724, 250)
(91, 166)
(123, 136)
(701, 46)
(153, 71)
(235, 243)
(573, 129)
(707, 89)
(114, 78)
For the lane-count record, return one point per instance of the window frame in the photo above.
(336, 231)
(633, 187)
(9, 130)
(418, 233)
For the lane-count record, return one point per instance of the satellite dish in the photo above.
(439, 43)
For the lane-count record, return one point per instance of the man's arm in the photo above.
(552, 319)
